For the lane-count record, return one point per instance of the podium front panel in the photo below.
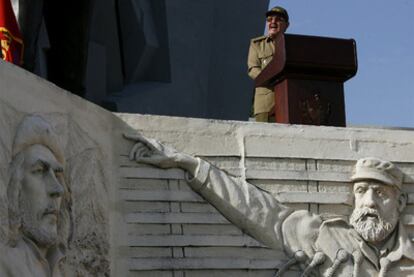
(310, 102)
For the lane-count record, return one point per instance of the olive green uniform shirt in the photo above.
(260, 54)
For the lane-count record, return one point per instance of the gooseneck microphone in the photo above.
(341, 257)
(299, 256)
(318, 259)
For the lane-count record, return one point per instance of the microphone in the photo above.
(318, 259)
(357, 255)
(299, 256)
(341, 257)
(385, 266)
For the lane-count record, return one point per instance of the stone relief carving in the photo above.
(39, 203)
(373, 242)
(56, 225)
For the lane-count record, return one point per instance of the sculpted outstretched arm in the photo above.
(251, 209)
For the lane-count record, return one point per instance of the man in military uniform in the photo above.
(260, 54)
(372, 243)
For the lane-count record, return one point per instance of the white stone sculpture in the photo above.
(39, 203)
(372, 243)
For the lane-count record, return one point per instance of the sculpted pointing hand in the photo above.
(150, 151)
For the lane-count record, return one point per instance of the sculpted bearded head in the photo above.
(378, 199)
(39, 199)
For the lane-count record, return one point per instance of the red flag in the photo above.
(10, 37)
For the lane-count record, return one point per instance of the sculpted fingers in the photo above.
(150, 151)
(147, 160)
(142, 151)
(134, 137)
(139, 150)
(150, 143)
(154, 145)
(156, 160)
(132, 152)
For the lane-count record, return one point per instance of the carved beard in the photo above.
(370, 225)
(31, 228)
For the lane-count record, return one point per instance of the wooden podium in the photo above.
(308, 75)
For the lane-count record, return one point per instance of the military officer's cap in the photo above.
(379, 170)
(278, 11)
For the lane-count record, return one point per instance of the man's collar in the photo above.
(404, 246)
(389, 244)
(365, 249)
(54, 255)
(33, 247)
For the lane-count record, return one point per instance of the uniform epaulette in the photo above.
(259, 38)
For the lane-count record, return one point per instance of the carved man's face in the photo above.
(377, 210)
(40, 195)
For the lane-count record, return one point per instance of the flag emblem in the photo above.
(10, 37)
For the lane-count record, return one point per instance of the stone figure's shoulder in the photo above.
(338, 226)
(334, 222)
(301, 223)
(334, 234)
(12, 261)
(301, 216)
(7, 252)
(300, 231)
